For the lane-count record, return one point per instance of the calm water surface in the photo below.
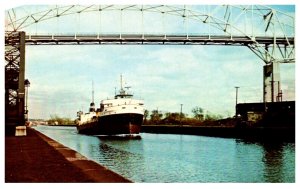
(164, 158)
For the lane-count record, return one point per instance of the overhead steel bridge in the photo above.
(156, 39)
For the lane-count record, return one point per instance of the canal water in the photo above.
(169, 158)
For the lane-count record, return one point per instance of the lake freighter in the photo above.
(120, 115)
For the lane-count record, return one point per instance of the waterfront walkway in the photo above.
(37, 158)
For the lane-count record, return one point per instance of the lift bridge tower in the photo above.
(14, 80)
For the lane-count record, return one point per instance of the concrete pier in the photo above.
(20, 131)
(37, 158)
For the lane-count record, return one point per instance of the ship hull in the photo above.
(127, 123)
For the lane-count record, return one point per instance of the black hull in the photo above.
(113, 125)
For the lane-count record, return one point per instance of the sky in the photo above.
(163, 76)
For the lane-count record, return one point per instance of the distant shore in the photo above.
(61, 125)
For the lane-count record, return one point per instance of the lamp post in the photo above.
(236, 100)
(27, 84)
(180, 114)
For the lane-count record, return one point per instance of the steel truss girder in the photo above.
(258, 47)
(266, 52)
(152, 39)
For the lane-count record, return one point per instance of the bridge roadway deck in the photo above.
(37, 158)
(155, 39)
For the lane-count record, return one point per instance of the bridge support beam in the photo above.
(271, 83)
(14, 80)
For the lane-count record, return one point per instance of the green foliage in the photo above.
(198, 113)
(56, 120)
(146, 115)
(174, 118)
(212, 117)
(155, 116)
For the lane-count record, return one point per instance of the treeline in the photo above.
(56, 120)
(155, 117)
(199, 118)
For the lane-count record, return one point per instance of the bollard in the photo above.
(20, 131)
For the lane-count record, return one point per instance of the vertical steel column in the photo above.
(267, 78)
(276, 79)
(21, 91)
(271, 75)
(271, 81)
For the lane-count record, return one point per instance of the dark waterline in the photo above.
(172, 158)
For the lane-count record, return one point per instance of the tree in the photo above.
(212, 117)
(146, 114)
(198, 113)
(56, 120)
(155, 117)
(172, 118)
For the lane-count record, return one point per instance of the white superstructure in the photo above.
(87, 117)
(121, 105)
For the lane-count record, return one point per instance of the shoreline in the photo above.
(259, 133)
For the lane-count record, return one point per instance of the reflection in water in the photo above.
(119, 160)
(184, 158)
(274, 159)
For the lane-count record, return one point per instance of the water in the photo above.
(172, 158)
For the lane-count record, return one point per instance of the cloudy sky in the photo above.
(164, 76)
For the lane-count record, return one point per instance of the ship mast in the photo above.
(92, 105)
(121, 82)
(92, 91)
(122, 92)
